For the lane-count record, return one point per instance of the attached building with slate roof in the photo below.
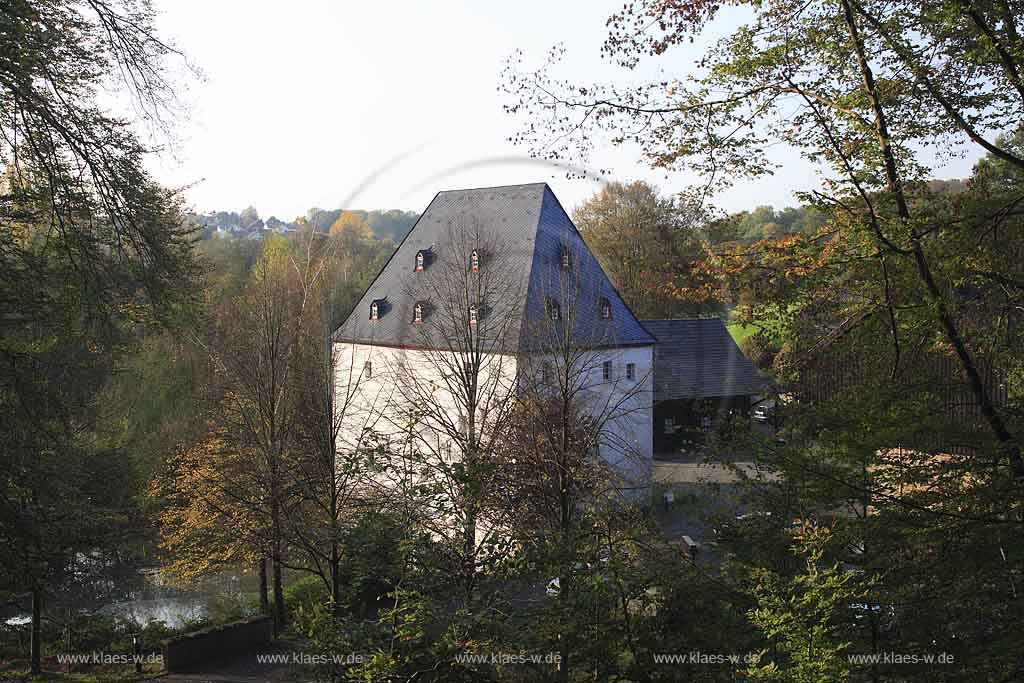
(698, 371)
(548, 284)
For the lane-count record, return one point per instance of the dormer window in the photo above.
(417, 313)
(474, 261)
(553, 310)
(374, 311)
(605, 309)
(473, 315)
(566, 257)
(421, 260)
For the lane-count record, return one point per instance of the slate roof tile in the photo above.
(697, 358)
(530, 227)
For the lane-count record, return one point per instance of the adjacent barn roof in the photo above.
(526, 230)
(697, 358)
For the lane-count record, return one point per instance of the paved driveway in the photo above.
(669, 473)
(241, 669)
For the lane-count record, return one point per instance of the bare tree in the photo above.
(289, 440)
(253, 420)
(337, 450)
(583, 408)
(458, 383)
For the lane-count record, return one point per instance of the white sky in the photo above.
(305, 103)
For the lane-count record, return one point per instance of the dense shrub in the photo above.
(760, 350)
(305, 594)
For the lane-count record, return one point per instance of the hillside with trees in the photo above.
(174, 410)
(895, 306)
(391, 224)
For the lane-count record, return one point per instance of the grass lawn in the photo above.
(740, 332)
(97, 675)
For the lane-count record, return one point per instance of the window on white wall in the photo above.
(368, 370)
(547, 373)
(607, 370)
(630, 370)
(554, 312)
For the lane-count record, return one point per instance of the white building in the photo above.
(503, 273)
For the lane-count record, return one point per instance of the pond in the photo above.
(138, 593)
(153, 598)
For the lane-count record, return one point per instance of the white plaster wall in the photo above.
(627, 406)
(381, 402)
(385, 402)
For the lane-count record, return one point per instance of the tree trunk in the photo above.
(1010, 447)
(37, 631)
(469, 528)
(565, 524)
(279, 612)
(264, 603)
(335, 578)
(275, 558)
(276, 535)
(564, 588)
(469, 550)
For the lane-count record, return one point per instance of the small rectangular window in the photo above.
(630, 370)
(368, 370)
(547, 374)
(553, 312)
(670, 425)
(606, 370)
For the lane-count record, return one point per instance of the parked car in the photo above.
(764, 412)
(731, 529)
(554, 586)
(885, 614)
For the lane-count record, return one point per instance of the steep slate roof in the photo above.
(531, 228)
(697, 358)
